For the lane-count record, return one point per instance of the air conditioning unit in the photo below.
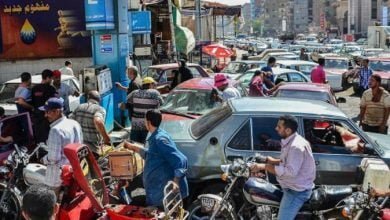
(134, 4)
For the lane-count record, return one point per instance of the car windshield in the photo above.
(306, 68)
(235, 68)
(177, 129)
(336, 64)
(311, 95)
(380, 65)
(8, 93)
(208, 121)
(352, 49)
(189, 101)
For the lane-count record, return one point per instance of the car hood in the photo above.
(383, 74)
(382, 143)
(9, 109)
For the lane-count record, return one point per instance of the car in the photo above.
(310, 91)
(192, 99)
(302, 66)
(163, 74)
(265, 53)
(281, 56)
(320, 52)
(235, 68)
(336, 69)
(351, 51)
(362, 41)
(242, 127)
(370, 52)
(380, 66)
(280, 75)
(7, 92)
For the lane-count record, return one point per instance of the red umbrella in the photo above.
(217, 50)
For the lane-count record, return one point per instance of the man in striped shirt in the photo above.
(138, 102)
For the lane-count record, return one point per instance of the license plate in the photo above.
(207, 204)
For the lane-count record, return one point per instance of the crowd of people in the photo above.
(54, 124)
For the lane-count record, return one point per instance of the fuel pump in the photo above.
(98, 77)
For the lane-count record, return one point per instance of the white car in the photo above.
(7, 92)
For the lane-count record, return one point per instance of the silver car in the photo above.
(242, 127)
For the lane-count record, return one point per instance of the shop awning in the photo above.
(185, 40)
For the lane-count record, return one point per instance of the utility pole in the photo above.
(198, 28)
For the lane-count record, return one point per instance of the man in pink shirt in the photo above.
(318, 73)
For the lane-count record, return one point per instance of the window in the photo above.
(295, 77)
(208, 121)
(195, 72)
(242, 139)
(265, 137)
(330, 136)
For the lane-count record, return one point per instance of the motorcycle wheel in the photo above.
(10, 209)
(195, 213)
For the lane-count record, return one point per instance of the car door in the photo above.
(74, 101)
(334, 144)
(295, 77)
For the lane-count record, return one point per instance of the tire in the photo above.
(12, 204)
(195, 213)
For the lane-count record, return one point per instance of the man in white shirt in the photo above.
(67, 69)
(63, 131)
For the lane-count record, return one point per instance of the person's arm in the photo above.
(99, 125)
(273, 161)
(120, 87)
(362, 109)
(323, 77)
(136, 148)
(386, 114)
(174, 157)
(7, 139)
(23, 103)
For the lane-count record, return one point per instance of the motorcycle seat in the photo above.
(326, 196)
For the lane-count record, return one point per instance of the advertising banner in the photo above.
(32, 29)
(140, 22)
(99, 14)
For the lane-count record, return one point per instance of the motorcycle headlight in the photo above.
(346, 212)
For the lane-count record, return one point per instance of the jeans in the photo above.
(138, 136)
(292, 202)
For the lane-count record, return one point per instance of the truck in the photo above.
(379, 37)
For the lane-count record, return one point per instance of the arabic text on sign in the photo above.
(28, 8)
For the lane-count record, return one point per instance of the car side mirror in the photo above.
(341, 100)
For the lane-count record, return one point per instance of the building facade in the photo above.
(301, 16)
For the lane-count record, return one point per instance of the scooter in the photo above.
(262, 198)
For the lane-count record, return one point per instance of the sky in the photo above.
(230, 2)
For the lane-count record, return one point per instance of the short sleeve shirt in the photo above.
(64, 92)
(25, 94)
(374, 114)
(41, 93)
(230, 93)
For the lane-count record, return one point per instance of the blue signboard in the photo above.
(99, 14)
(140, 22)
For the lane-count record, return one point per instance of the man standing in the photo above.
(364, 73)
(39, 95)
(39, 202)
(228, 91)
(138, 102)
(63, 131)
(64, 90)
(163, 161)
(269, 75)
(375, 107)
(67, 69)
(233, 57)
(135, 80)
(303, 55)
(318, 73)
(23, 94)
(182, 75)
(295, 170)
(91, 117)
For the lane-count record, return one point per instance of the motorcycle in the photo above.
(16, 176)
(83, 194)
(361, 205)
(262, 198)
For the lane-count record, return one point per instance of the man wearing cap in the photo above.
(226, 91)
(63, 131)
(64, 90)
(138, 102)
(91, 117)
(39, 95)
(182, 75)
